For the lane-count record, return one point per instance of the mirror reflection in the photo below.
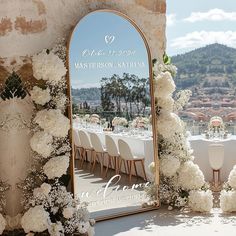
(112, 124)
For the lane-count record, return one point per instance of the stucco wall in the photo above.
(28, 26)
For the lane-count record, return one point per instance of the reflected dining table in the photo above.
(200, 145)
(141, 145)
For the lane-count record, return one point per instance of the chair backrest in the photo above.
(96, 142)
(84, 139)
(111, 146)
(76, 139)
(216, 156)
(125, 151)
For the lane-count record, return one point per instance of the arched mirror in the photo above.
(113, 114)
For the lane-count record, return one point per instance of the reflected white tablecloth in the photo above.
(200, 146)
(140, 146)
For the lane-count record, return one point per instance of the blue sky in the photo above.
(196, 23)
(91, 34)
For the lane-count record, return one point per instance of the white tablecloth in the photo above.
(139, 145)
(200, 147)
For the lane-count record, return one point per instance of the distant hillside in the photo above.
(86, 94)
(214, 60)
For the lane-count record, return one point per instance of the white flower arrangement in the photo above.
(228, 194)
(40, 96)
(166, 103)
(53, 122)
(121, 121)
(41, 142)
(140, 122)
(36, 219)
(94, 118)
(48, 66)
(201, 201)
(182, 98)
(60, 101)
(190, 176)
(164, 85)
(168, 124)
(49, 207)
(56, 167)
(169, 165)
(181, 182)
(227, 201)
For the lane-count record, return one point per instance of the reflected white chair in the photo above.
(216, 160)
(86, 144)
(127, 155)
(113, 152)
(100, 151)
(77, 144)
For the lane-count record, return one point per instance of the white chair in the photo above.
(86, 144)
(216, 160)
(77, 144)
(99, 151)
(127, 155)
(113, 152)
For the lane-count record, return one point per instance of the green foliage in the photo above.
(166, 59)
(13, 88)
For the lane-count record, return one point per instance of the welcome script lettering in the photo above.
(112, 186)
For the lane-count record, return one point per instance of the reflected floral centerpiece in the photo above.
(141, 123)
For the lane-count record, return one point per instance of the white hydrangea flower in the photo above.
(41, 142)
(56, 167)
(166, 103)
(227, 201)
(40, 96)
(48, 66)
(56, 229)
(42, 191)
(60, 101)
(36, 219)
(53, 122)
(83, 227)
(232, 178)
(190, 176)
(68, 212)
(169, 165)
(46, 188)
(164, 85)
(168, 124)
(201, 201)
(2, 223)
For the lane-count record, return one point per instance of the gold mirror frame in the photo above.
(153, 112)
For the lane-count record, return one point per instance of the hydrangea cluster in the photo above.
(49, 207)
(228, 194)
(182, 182)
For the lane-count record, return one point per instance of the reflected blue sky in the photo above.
(121, 44)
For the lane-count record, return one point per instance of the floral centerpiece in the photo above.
(181, 182)
(119, 121)
(49, 208)
(95, 119)
(216, 127)
(140, 122)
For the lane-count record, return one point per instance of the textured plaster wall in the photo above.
(28, 26)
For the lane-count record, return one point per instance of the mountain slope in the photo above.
(212, 60)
